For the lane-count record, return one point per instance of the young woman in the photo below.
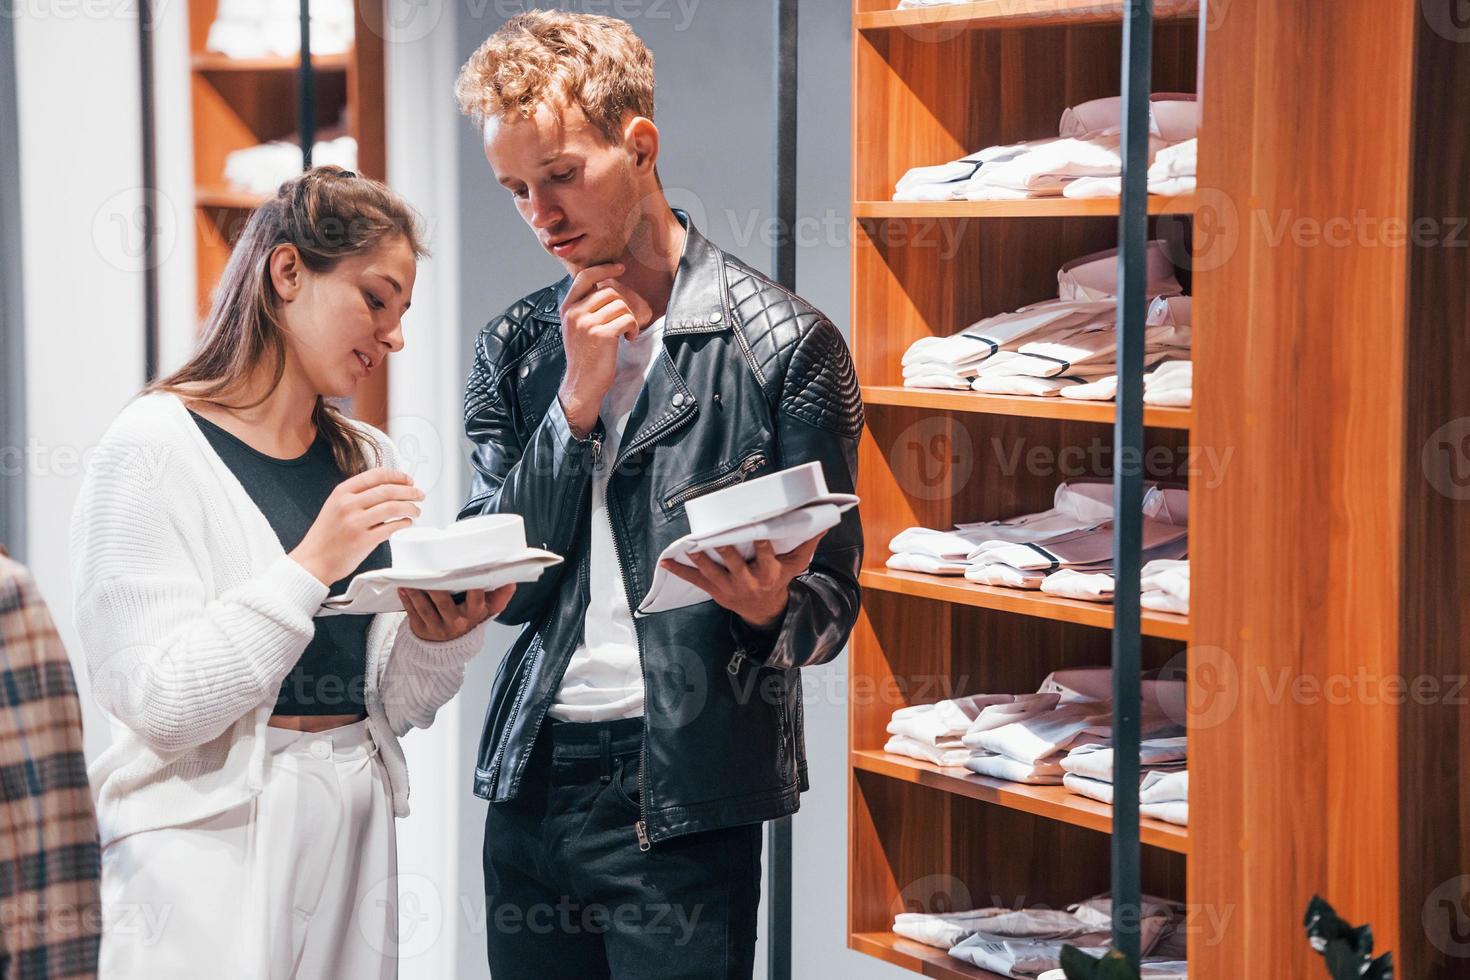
(246, 803)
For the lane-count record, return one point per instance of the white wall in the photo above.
(80, 162)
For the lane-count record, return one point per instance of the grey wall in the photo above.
(714, 110)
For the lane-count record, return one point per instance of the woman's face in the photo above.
(340, 325)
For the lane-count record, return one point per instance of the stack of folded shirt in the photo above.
(1165, 585)
(1078, 564)
(252, 29)
(1171, 173)
(1088, 769)
(1075, 505)
(1048, 346)
(261, 169)
(1167, 343)
(942, 929)
(1028, 943)
(1030, 749)
(932, 732)
(1086, 151)
(1165, 796)
(1170, 384)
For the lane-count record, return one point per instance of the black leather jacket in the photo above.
(750, 380)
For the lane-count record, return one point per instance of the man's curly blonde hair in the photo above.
(550, 56)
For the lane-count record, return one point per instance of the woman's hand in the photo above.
(362, 512)
(435, 617)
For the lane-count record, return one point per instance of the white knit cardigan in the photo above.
(191, 615)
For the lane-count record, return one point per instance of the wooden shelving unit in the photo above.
(242, 102)
(1046, 207)
(1027, 406)
(995, 14)
(931, 85)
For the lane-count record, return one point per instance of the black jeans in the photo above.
(569, 894)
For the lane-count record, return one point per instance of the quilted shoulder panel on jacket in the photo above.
(501, 344)
(803, 360)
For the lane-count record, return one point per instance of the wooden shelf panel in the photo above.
(990, 14)
(924, 960)
(1022, 405)
(1051, 802)
(228, 197)
(1045, 207)
(213, 61)
(1027, 603)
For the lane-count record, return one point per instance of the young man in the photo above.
(629, 762)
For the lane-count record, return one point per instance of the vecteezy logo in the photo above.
(401, 914)
(933, 457)
(1446, 917)
(1445, 459)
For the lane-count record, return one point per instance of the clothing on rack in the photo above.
(942, 929)
(263, 168)
(1087, 147)
(254, 29)
(950, 753)
(1170, 384)
(1054, 344)
(1165, 585)
(1028, 943)
(1171, 173)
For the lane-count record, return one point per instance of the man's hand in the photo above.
(435, 617)
(596, 313)
(754, 590)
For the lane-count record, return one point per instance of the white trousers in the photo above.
(300, 881)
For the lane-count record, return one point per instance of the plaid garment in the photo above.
(50, 908)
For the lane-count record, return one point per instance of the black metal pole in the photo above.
(150, 192)
(1138, 23)
(12, 310)
(783, 261)
(306, 91)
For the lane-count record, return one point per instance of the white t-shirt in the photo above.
(604, 680)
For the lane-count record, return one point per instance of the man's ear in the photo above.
(286, 271)
(641, 135)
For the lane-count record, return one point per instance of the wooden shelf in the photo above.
(1025, 602)
(213, 61)
(228, 197)
(1067, 409)
(924, 960)
(991, 14)
(1044, 207)
(1051, 802)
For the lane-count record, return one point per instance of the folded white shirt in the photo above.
(954, 544)
(1003, 576)
(1043, 773)
(1093, 789)
(1042, 736)
(908, 561)
(1176, 160)
(1075, 505)
(1175, 812)
(263, 168)
(1104, 389)
(1096, 761)
(942, 929)
(1086, 547)
(940, 755)
(1149, 969)
(1167, 576)
(942, 721)
(1164, 602)
(937, 380)
(1018, 707)
(1023, 385)
(1164, 787)
(1068, 583)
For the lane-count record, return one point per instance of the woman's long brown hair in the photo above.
(329, 214)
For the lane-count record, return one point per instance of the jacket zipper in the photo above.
(640, 827)
(746, 466)
(515, 708)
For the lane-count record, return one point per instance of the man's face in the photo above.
(578, 193)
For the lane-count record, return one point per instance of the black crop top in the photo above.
(330, 677)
